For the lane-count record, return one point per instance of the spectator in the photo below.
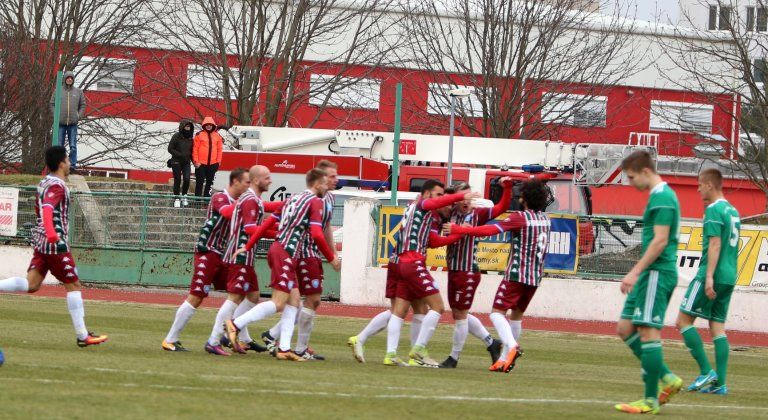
(206, 156)
(180, 149)
(72, 110)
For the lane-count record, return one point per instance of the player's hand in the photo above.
(709, 288)
(336, 264)
(196, 165)
(447, 228)
(628, 282)
(506, 181)
(240, 251)
(472, 195)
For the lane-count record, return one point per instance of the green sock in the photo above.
(652, 361)
(633, 342)
(721, 357)
(696, 347)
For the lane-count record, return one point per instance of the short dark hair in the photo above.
(236, 175)
(430, 185)
(314, 175)
(535, 194)
(637, 161)
(325, 164)
(54, 155)
(713, 176)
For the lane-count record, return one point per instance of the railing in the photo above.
(608, 247)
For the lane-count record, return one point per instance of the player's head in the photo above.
(640, 169)
(239, 181)
(56, 159)
(432, 188)
(317, 181)
(710, 185)
(534, 195)
(461, 187)
(331, 172)
(261, 178)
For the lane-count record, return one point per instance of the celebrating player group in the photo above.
(238, 217)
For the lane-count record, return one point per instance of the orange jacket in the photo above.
(207, 145)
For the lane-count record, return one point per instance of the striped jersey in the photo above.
(307, 248)
(52, 192)
(414, 229)
(214, 234)
(530, 239)
(249, 211)
(298, 213)
(461, 254)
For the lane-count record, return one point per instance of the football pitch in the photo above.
(564, 375)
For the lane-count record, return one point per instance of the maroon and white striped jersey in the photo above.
(52, 192)
(249, 211)
(414, 229)
(461, 254)
(214, 234)
(530, 238)
(307, 248)
(298, 213)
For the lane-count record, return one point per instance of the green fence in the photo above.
(139, 239)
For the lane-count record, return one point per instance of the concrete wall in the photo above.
(14, 261)
(573, 298)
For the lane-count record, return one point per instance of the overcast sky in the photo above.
(663, 10)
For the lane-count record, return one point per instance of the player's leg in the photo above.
(477, 329)
(261, 311)
(245, 341)
(419, 356)
(183, 314)
(36, 272)
(515, 320)
(287, 324)
(719, 314)
(419, 308)
(510, 351)
(395, 325)
(377, 324)
(225, 312)
(460, 332)
(208, 269)
(306, 322)
(695, 345)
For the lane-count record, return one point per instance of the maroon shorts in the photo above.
(462, 286)
(62, 266)
(241, 279)
(283, 269)
(209, 269)
(414, 281)
(310, 275)
(392, 278)
(513, 295)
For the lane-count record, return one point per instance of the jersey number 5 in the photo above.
(735, 226)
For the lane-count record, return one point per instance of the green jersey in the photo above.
(721, 220)
(662, 210)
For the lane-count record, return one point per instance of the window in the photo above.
(439, 101)
(206, 82)
(759, 25)
(760, 71)
(105, 74)
(345, 92)
(720, 17)
(681, 116)
(576, 110)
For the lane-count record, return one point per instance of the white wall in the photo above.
(15, 261)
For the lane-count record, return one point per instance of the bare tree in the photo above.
(38, 38)
(724, 54)
(261, 54)
(534, 65)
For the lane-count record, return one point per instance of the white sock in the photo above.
(244, 306)
(460, 331)
(394, 325)
(77, 312)
(428, 326)
(306, 323)
(517, 328)
(257, 313)
(183, 315)
(378, 323)
(505, 332)
(287, 323)
(14, 284)
(225, 313)
(275, 331)
(477, 329)
(416, 327)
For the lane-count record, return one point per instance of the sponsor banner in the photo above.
(492, 251)
(9, 210)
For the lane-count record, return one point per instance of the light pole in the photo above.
(455, 93)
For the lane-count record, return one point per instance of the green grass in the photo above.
(47, 375)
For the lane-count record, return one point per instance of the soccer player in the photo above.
(414, 283)
(464, 273)
(301, 215)
(709, 293)
(51, 248)
(310, 274)
(525, 266)
(209, 268)
(650, 283)
(242, 285)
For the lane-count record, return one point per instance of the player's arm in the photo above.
(713, 256)
(506, 197)
(316, 231)
(273, 206)
(655, 248)
(446, 200)
(328, 233)
(222, 206)
(437, 241)
(53, 196)
(264, 230)
(515, 221)
(249, 211)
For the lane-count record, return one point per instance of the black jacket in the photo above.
(180, 146)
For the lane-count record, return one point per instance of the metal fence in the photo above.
(608, 247)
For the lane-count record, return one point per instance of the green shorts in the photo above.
(647, 303)
(696, 303)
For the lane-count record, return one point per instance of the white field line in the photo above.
(358, 396)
